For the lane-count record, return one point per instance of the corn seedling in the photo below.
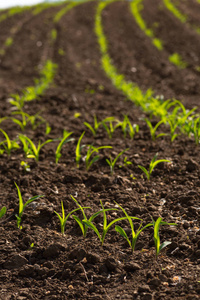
(2, 212)
(177, 60)
(8, 42)
(30, 149)
(42, 6)
(64, 140)
(22, 206)
(91, 150)
(12, 11)
(106, 226)
(8, 144)
(136, 7)
(156, 224)
(112, 162)
(110, 129)
(48, 128)
(154, 136)
(81, 223)
(188, 127)
(53, 35)
(32, 92)
(82, 226)
(63, 11)
(196, 130)
(63, 219)
(22, 124)
(126, 126)
(174, 10)
(154, 162)
(136, 234)
(34, 120)
(173, 127)
(95, 128)
(78, 150)
(97, 124)
(178, 119)
(126, 162)
(25, 165)
(17, 101)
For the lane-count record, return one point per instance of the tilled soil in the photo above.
(38, 262)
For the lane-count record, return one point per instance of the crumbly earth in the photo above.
(38, 262)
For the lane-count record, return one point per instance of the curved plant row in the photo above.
(13, 11)
(179, 15)
(174, 58)
(35, 10)
(171, 112)
(32, 92)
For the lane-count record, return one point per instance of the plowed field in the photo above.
(37, 261)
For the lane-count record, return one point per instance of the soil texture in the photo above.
(37, 261)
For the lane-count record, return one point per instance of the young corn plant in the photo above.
(106, 226)
(31, 93)
(153, 130)
(173, 127)
(178, 61)
(31, 150)
(17, 101)
(34, 120)
(196, 130)
(110, 129)
(89, 160)
(64, 140)
(126, 162)
(25, 165)
(2, 212)
(22, 124)
(177, 119)
(8, 144)
(175, 11)
(83, 226)
(126, 126)
(22, 206)
(97, 124)
(136, 7)
(112, 162)
(154, 162)
(78, 150)
(63, 219)
(156, 224)
(136, 234)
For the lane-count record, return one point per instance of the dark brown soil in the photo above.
(71, 267)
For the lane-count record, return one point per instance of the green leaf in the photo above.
(164, 244)
(121, 231)
(145, 171)
(61, 219)
(2, 212)
(78, 150)
(93, 227)
(158, 162)
(79, 223)
(90, 127)
(21, 206)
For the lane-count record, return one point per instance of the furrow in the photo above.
(134, 56)
(181, 16)
(29, 42)
(136, 8)
(191, 9)
(176, 37)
